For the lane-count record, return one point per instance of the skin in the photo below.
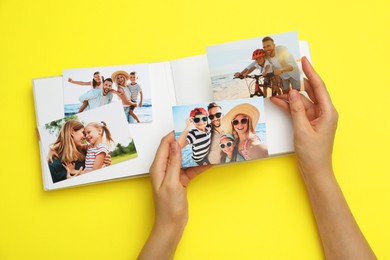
(215, 122)
(169, 184)
(107, 87)
(255, 148)
(314, 124)
(227, 150)
(269, 47)
(133, 81)
(97, 78)
(94, 137)
(201, 126)
(78, 138)
(121, 81)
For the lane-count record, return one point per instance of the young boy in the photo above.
(199, 137)
(135, 89)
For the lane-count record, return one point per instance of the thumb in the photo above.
(297, 110)
(174, 163)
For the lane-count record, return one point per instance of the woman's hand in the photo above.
(107, 160)
(71, 171)
(169, 183)
(314, 121)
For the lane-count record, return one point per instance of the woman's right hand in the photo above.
(314, 121)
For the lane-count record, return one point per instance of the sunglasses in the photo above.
(243, 121)
(197, 119)
(228, 144)
(216, 115)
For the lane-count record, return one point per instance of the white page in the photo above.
(172, 83)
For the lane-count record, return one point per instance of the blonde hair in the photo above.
(106, 132)
(250, 129)
(65, 145)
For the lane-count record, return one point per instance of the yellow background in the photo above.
(255, 210)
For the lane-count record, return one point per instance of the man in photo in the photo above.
(215, 116)
(283, 64)
(98, 97)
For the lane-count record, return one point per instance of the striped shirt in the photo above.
(92, 152)
(200, 143)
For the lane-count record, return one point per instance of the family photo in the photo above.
(85, 142)
(265, 66)
(88, 88)
(221, 132)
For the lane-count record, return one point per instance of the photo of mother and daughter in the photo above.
(79, 149)
(82, 143)
(212, 137)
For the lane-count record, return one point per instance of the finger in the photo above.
(282, 102)
(174, 164)
(160, 162)
(188, 174)
(309, 90)
(298, 112)
(319, 90)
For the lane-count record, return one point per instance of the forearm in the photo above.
(339, 232)
(287, 68)
(162, 242)
(182, 140)
(81, 83)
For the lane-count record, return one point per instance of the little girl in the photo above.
(97, 82)
(229, 150)
(97, 149)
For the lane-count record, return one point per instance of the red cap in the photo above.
(198, 111)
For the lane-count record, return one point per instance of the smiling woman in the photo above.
(241, 122)
(68, 148)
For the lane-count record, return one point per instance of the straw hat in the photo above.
(118, 72)
(245, 109)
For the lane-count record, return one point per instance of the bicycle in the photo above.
(254, 86)
(270, 81)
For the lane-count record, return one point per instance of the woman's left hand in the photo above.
(71, 171)
(169, 183)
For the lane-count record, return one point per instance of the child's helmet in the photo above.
(258, 53)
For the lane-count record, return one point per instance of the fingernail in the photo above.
(293, 95)
(173, 147)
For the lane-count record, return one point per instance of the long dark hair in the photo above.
(234, 155)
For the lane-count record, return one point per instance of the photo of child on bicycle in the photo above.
(265, 66)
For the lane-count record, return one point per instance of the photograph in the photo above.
(89, 88)
(264, 66)
(221, 132)
(88, 141)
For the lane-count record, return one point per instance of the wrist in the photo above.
(172, 230)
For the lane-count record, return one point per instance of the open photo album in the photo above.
(105, 123)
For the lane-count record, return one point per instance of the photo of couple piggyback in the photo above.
(214, 135)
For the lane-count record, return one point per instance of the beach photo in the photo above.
(263, 66)
(221, 132)
(87, 142)
(88, 88)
